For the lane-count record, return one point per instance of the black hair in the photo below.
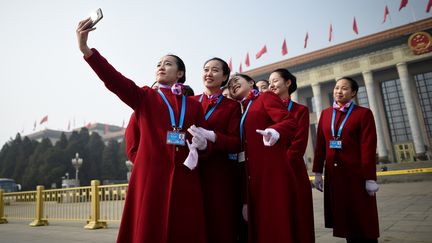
(225, 68)
(353, 83)
(287, 75)
(188, 91)
(264, 80)
(181, 67)
(247, 79)
(153, 84)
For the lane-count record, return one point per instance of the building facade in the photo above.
(394, 72)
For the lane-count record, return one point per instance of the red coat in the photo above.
(271, 182)
(219, 175)
(164, 200)
(295, 153)
(132, 134)
(348, 208)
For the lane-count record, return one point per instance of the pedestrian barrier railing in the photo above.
(66, 204)
(79, 204)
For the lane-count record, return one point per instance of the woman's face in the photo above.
(262, 86)
(239, 87)
(278, 85)
(167, 71)
(342, 92)
(213, 74)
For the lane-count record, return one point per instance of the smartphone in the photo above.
(96, 16)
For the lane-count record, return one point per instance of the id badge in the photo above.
(176, 138)
(241, 157)
(335, 144)
(233, 157)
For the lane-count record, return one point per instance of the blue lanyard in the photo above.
(342, 124)
(207, 116)
(171, 112)
(290, 105)
(242, 121)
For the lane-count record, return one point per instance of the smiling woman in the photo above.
(164, 201)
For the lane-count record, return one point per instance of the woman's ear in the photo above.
(180, 74)
(251, 83)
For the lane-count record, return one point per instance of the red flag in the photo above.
(247, 60)
(88, 125)
(428, 7)
(355, 29)
(330, 33)
(306, 39)
(403, 4)
(261, 52)
(284, 48)
(240, 68)
(386, 13)
(230, 64)
(44, 119)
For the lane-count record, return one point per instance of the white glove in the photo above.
(245, 212)
(208, 134)
(318, 182)
(198, 139)
(192, 160)
(371, 187)
(270, 136)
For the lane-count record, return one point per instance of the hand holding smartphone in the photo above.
(96, 16)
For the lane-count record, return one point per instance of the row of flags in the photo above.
(355, 29)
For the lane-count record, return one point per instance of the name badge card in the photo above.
(241, 157)
(335, 144)
(176, 138)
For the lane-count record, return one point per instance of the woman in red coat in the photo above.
(346, 147)
(266, 129)
(219, 170)
(164, 199)
(283, 83)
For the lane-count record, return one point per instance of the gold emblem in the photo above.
(420, 43)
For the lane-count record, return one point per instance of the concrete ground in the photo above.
(405, 211)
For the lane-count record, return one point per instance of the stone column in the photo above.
(414, 122)
(372, 92)
(316, 90)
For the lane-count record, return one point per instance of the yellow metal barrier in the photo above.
(94, 222)
(397, 172)
(3, 220)
(38, 221)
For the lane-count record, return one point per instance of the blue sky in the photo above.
(42, 71)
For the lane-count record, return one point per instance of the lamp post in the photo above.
(129, 166)
(76, 162)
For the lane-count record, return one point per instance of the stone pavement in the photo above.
(405, 211)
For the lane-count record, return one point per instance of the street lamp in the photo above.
(129, 166)
(76, 162)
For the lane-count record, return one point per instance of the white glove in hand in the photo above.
(371, 187)
(198, 139)
(192, 160)
(208, 134)
(245, 212)
(270, 136)
(318, 182)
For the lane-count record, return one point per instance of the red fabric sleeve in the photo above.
(299, 144)
(230, 141)
(368, 143)
(320, 148)
(132, 138)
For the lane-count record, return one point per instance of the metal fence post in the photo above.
(38, 221)
(94, 222)
(3, 219)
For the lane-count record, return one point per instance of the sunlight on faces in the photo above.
(239, 87)
(213, 74)
(167, 71)
(279, 85)
(342, 92)
(262, 86)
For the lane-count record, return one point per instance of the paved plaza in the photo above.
(405, 211)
